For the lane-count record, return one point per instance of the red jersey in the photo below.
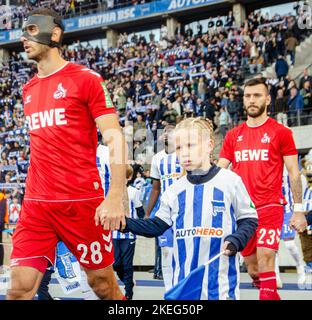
(61, 110)
(257, 155)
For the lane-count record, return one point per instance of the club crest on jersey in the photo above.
(218, 207)
(67, 265)
(265, 138)
(239, 138)
(60, 92)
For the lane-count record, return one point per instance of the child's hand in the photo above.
(229, 248)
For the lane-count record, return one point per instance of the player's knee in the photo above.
(23, 290)
(266, 260)
(102, 286)
(252, 271)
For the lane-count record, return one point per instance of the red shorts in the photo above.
(270, 221)
(42, 224)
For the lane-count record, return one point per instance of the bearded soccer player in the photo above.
(64, 103)
(258, 149)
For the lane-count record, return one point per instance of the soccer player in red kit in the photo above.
(64, 104)
(258, 149)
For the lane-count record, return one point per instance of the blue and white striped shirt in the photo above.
(134, 202)
(202, 216)
(287, 192)
(306, 196)
(102, 163)
(166, 168)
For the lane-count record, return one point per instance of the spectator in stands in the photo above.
(245, 54)
(305, 77)
(281, 67)
(139, 129)
(281, 107)
(253, 51)
(306, 93)
(230, 20)
(211, 27)
(164, 32)
(280, 40)
(291, 43)
(233, 110)
(209, 109)
(189, 33)
(170, 114)
(199, 29)
(178, 105)
(219, 24)
(295, 106)
(224, 121)
(202, 89)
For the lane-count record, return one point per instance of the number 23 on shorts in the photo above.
(269, 238)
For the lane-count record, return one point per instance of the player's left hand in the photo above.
(298, 221)
(111, 212)
(228, 248)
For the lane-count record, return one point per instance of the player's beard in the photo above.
(259, 111)
(40, 53)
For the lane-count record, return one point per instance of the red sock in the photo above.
(268, 288)
(256, 282)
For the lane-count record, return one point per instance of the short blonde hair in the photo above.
(197, 123)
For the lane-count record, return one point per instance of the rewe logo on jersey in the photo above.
(60, 92)
(266, 138)
(47, 118)
(199, 232)
(252, 155)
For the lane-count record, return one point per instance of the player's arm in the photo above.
(226, 153)
(153, 197)
(298, 219)
(149, 228)
(152, 227)
(111, 213)
(246, 220)
(155, 174)
(223, 163)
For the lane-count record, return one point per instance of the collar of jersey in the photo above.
(259, 125)
(204, 177)
(54, 72)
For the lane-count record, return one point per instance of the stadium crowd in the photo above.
(66, 8)
(157, 83)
